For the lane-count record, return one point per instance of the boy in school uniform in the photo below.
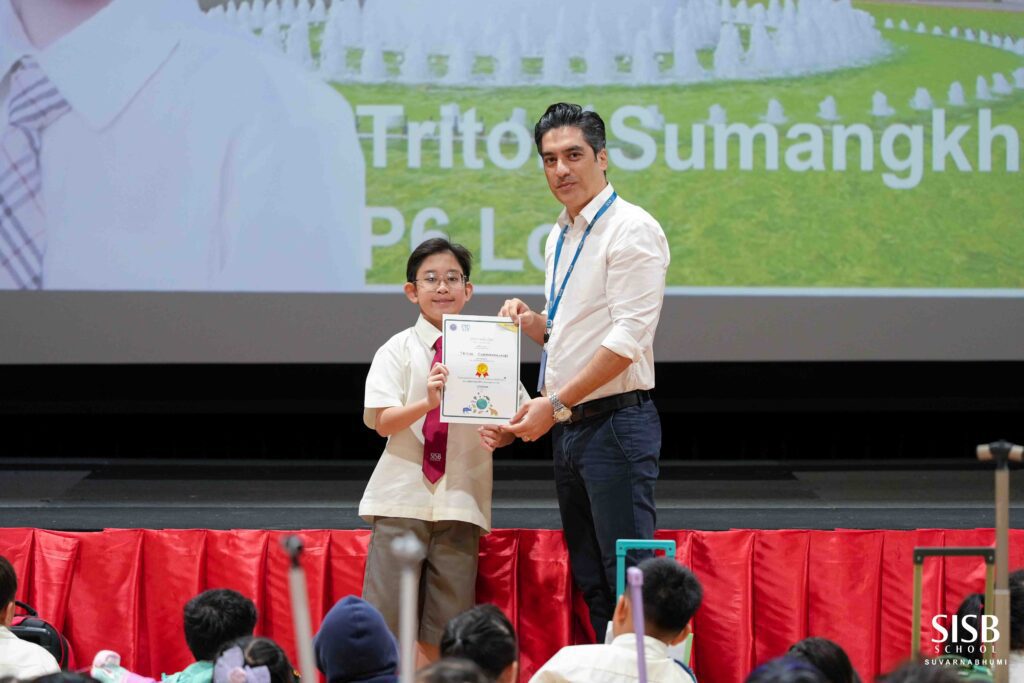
(671, 595)
(434, 479)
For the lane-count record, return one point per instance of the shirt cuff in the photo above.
(620, 342)
(371, 407)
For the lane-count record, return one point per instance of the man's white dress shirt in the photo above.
(613, 663)
(397, 487)
(193, 158)
(22, 659)
(613, 298)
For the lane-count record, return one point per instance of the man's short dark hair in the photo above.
(672, 595)
(437, 245)
(785, 670)
(8, 582)
(215, 617)
(828, 657)
(563, 114)
(452, 670)
(483, 635)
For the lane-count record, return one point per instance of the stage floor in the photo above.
(88, 494)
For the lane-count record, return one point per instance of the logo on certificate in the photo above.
(481, 405)
(482, 370)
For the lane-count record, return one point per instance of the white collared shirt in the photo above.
(1016, 665)
(22, 659)
(193, 158)
(397, 487)
(614, 663)
(613, 298)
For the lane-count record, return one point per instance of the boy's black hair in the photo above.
(264, 652)
(437, 245)
(827, 657)
(215, 617)
(8, 582)
(562, 114)
(483, 635)
(452, 670)
(785, 670)
(671, 593)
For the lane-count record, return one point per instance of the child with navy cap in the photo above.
(354, 644)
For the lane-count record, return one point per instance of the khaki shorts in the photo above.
(447, 573)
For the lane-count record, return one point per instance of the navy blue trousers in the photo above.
(605, 471)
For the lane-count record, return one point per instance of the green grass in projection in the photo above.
(757, 227)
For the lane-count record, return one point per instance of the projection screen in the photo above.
(836, 181)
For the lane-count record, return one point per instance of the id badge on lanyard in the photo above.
(554, 301)
(543, 368)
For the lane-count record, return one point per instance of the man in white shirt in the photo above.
(671, 597)
(18, 658)
(190, 156)
(605, 280)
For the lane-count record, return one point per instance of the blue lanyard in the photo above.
(555, 300)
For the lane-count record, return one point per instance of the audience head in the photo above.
(916, 672)
(65, 677)
(8, 589)
(972, 606)
(216, 617)
(786, 670)
(671, 594)
(827, 657)
(249, 653)
(452, 670)
(354, 644)
(484, 636)
(1016, 581)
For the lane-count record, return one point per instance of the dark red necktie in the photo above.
(435, 435)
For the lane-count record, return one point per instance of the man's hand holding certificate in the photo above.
(482, 357)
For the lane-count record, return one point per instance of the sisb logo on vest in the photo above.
(971, 634)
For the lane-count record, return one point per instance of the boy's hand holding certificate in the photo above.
(482, 356)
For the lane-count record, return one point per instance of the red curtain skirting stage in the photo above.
(763, 590)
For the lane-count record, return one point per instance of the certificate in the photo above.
(481, 353)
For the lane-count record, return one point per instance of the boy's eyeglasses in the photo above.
(452, 281)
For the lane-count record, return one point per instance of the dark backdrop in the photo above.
(710, 411)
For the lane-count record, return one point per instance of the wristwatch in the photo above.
(562, 414)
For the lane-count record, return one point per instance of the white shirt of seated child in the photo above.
(22, 659)
(614, 663)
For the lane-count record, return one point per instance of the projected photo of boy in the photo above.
(146, 147)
